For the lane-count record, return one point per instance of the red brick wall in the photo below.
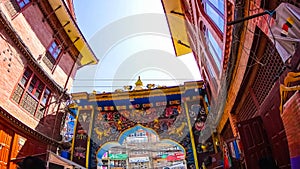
(291, 121)
(10, 76)
(37, 35)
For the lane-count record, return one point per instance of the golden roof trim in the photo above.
(138, 93)
(64, 16)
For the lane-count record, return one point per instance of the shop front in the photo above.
(17, 141)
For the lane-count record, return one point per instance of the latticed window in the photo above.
(268, 73)
(32, 94)
(14, 6)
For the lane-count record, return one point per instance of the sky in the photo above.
(130, 38)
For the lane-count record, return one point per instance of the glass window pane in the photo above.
(41, 87)
(219, 4)
(218, 20)
(30, 88)
(34, 80)
(54, 50)
(37, 93)
(26, 77)
(50, 49)
(23, 81)
(46, 96)
(215, 45)
(54, 45)
(27, 73)
(26, 1)
(214, 56)
(55, 55)
(214, 49)
(21, 4)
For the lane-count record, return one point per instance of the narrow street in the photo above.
(150, 84)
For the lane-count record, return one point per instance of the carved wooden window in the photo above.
(32, 94)
(52, 54)
(54, 50)
(12, 7)
(49, 60)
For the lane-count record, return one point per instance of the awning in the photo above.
(56, 159)
(177, 26)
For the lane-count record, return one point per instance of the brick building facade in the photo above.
(41, 49)
(245, 78)
(210, 41)
(254, 97)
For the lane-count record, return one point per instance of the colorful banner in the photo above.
(80, 141)
(286, 30)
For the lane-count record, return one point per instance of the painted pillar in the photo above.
(291, 122)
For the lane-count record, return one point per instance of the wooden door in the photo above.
(255, 141)
(269, 111)
(6, 137)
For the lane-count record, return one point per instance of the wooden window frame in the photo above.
(57, 47)
(40, 98)
(14, 8)
(36, 87)
(23, 1)
(50, 59)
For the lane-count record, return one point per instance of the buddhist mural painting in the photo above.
(105, 120)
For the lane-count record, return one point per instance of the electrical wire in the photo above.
(112, 80)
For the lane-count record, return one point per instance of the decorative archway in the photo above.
(104, 120)
(105, 147)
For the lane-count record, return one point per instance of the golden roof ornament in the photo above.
(138, 84)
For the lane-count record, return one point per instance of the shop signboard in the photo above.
(118, 156)
(138, 159)
(176, 157)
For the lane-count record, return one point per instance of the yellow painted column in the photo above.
(89, 138)
(191, 135)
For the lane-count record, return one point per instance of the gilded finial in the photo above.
(138, 84)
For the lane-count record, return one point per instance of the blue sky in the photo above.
(131, 39)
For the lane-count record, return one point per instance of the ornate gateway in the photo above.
(173, 114)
